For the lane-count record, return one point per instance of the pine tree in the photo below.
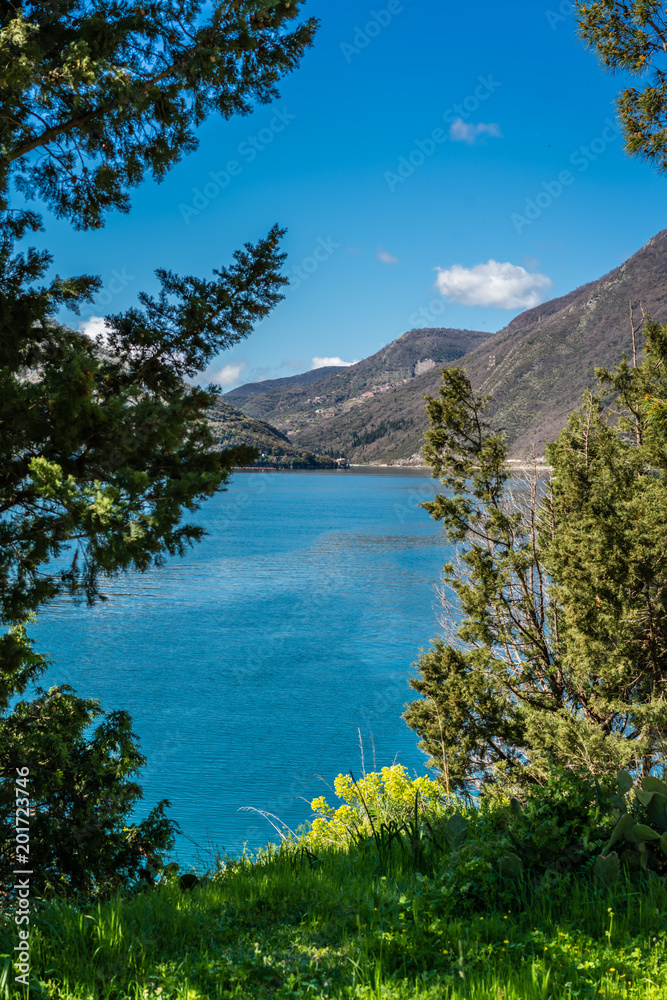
(94, 95)
(608, 561)
(105, 447)
(632, 37)
(555, 613)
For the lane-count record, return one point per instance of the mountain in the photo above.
(544, 359)
(297, 406)
(305, 378)
(231, 428)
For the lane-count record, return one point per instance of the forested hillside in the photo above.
(231, 428)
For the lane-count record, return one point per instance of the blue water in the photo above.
(250, 665)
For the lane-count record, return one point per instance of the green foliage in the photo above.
(95, 95)
(102, 451)
(555, 645)
(607, 562)
(278, 926)
(382, 808)
(477, 851)
(560, 826)
(504, 852)
(481, 682)
(80, 787)
(640, 833)
(104, 446)
(108, 447)
(455, 830)
(80, 790)
(630, 37)
(19, 662)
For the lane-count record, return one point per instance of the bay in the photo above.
(251, 665)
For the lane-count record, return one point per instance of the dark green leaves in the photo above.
(193, 319)
(555, 610)
(631, 37)
(102, 449)
(94, 96)
(82, 790)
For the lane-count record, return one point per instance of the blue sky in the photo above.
(417, 142)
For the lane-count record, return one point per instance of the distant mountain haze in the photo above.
(536, 369)
(293, 405)
(305, 378)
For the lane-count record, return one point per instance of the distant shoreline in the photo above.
(513, 465)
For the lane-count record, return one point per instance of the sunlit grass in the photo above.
(343, 927)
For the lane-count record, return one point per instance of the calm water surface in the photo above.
(250, 665)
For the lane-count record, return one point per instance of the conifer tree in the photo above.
(555, 613)
(631, 36)
(104, 447)
(95, 93)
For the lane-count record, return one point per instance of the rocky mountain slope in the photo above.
(231, 428)
(304, 378)
(297, 406)
(536, 368)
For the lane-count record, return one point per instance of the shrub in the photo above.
(379, 798)
(495, 849)
(78, 786)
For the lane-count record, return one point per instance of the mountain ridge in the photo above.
(292, 406)
(536, 368)
(231, 427)
(303, 378)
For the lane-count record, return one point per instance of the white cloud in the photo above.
(505, 286)
(460, 131)
(330, 362)
(386, 258)
(93, 327)
(228, 375)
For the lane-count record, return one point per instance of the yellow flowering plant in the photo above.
(385, 796)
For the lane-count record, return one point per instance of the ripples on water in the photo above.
(249, 665)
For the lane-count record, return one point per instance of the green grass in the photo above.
(390, 896)
(282, 927)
